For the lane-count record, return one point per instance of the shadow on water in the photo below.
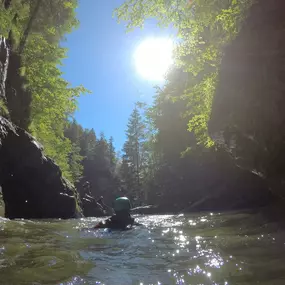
(231, 248)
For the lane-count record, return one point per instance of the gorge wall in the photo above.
(248, 110)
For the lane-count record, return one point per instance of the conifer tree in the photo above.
(132, 161)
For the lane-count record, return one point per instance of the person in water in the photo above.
(122, 218)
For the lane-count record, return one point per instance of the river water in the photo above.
(199, 249)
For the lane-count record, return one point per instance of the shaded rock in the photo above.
(18, 98)
(248, 108)
(235, 189)
(13, 95)
(32, 184)
(91, 208)
(217, 184)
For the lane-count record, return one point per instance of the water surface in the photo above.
(198, 249)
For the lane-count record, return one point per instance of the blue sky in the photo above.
(100, 57)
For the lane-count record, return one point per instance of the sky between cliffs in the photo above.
(102, 57)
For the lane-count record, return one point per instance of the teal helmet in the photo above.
(122, 204)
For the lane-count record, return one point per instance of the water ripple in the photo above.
(198, 249)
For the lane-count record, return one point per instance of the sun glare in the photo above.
(153, 57)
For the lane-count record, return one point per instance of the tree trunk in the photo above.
(6, 3)
(29, 27)
(4, 62)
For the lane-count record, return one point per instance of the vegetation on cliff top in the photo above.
(35, 29)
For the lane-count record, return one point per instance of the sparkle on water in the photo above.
(208, 249)
(153, 57)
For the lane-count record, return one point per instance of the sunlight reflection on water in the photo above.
(208, 249)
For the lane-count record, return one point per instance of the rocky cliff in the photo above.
(32, 184)
(248, 110)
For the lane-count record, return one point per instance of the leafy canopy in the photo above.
(38, 27)
(204, 28)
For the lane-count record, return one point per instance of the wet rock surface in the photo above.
(248, 108)
(32, 184)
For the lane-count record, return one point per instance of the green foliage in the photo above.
(94, 160)
(37, 28)
(180, 153)
(112, 152)
(251, 84)
(3, 109)
(205, 27)
(133, 161)
(73, 132)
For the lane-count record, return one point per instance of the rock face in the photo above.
(18, 98)
(90, 208)
(32, 184)
(248, 108)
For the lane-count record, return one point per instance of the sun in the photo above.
(153, 57)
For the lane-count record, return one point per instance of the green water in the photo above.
(204, 249)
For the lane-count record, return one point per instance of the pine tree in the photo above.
(112, 153)
(132, 162)
(93, 160)
(74, 133)
(102, 153)
(88, 143)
